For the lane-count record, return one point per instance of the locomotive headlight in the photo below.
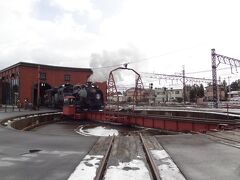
(98, 96)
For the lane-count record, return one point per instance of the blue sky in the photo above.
(167, 34)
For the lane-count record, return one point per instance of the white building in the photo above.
(174, 94)
(168, 95)
(160, 95)
(234, 96)
(120, 98)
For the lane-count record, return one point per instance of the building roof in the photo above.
(27, 64)
(233, 92)
(210, 86)
(178, 89)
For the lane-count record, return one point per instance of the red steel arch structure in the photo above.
(113, 92)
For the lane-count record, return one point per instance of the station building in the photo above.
(20, 81)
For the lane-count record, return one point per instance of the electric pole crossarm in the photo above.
(228, 60)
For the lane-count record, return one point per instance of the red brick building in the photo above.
(20, 80)
(0, 91)
(103, 87)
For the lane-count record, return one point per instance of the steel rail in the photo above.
(152, 165)
(102, 166)
(224, 141)
(224, 138)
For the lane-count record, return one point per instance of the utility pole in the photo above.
(219, 89)
(229, 85)
(184, 86)
(150, 94)
(38, 88)
(214, 79)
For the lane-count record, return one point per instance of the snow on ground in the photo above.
(97, 131)
(133, 170)
(167, 168)
(61, 153)
(87, 168)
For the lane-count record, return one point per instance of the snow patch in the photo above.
(30, 155)
(167, 168)
(87, 168)
(160, 154)
(60, 153)
(97, 131)
(20, 159)
(6, 164)
(132, 170)
(9, 161)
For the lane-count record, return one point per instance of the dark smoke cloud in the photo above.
(100, 62)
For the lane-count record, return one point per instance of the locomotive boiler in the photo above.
(88, 97)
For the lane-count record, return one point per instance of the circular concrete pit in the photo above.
(57, 149)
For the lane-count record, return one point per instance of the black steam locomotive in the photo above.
(88, 97)
(85, 97)
(54, 98)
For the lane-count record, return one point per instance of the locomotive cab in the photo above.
(69, 106)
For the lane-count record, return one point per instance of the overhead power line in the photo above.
(175, 77)
(145, 59)
(202, 71)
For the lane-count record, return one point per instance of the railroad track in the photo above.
(128, 157)
(224, 138)
(152, 166)
(230, 141)
(102, 167)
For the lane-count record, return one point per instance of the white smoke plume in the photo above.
(103, 63)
